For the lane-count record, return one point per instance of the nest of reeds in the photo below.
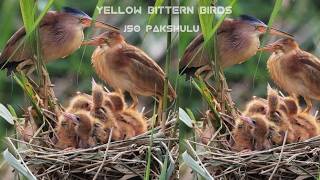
(148, 154)
(286, 160)
(114, 160)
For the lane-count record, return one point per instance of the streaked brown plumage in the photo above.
(237, 41)
(294, 70)
(127, 68)
(61, 33)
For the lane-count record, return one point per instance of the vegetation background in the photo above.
(74, 73)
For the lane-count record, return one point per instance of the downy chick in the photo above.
(242, 139)
(83, 127)
(80, 102)
(305, 125)
(66, 135)
(136, 120)
(278, 116)
(256, 106)
(259, 131)
(104, 113)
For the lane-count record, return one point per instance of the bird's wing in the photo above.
(149, 72)
(310, 60)
(138, 55)
(190, 51)
(12, 43)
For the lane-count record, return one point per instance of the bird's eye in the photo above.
(261, 29)
(78, 118)
(254, 121)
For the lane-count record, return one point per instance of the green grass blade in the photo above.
(16, 164)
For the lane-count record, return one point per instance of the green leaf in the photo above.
(194, 165)
(5, 114)
(184, 117)
(16, 164)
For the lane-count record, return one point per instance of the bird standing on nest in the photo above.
(294, 70)
(127, 68)
(237, 41)
(61, 33)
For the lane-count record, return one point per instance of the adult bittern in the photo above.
(294, 70)
(237, 41)
(61, 33)
(127, 68)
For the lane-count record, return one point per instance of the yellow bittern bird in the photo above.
(61, 33)
(127, 68)
(237, 41)
(294, 70)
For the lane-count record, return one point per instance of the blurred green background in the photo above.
(300, 18)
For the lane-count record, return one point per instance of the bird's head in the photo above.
(257, 106)
(257, 27)
(281, 45)
(109, 38)
(85, 20)
(249, 121)
(80, 118)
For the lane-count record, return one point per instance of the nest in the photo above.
(114, 160)
(300, 160)
(291, 161)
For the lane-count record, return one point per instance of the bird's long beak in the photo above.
(71, 117)
(102, 25)
(95, 41)
(268, 48)
(247, 120)
(277, 32)
(92, 42)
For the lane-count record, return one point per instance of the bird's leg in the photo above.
(208, 76)
(202, 69)
(160, 118)
(134, 101)
(309, 104)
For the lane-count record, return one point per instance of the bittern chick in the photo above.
(294, 70)
(84, 123)
(127, 68)
(278, 116)
(61, 33)
(66, 135)
(259, 129)
(102, 112)
(135, 120)
(115, 101)
(241, 138)
(304, 125)
(256, 106)
(80, 102)
(237, 41)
